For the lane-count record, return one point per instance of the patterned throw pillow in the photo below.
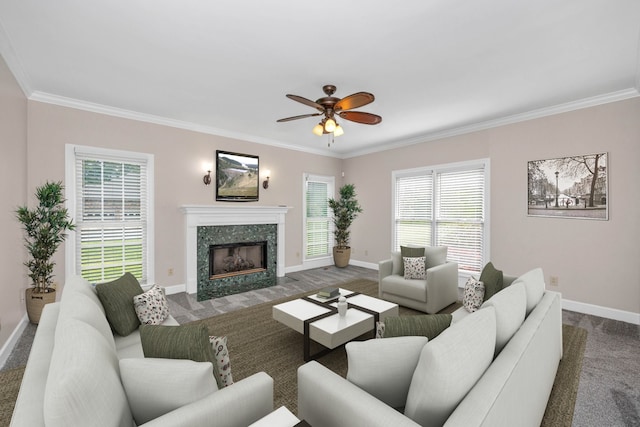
(414, 267)
(473, 294)
(219, 346)
(151, 306)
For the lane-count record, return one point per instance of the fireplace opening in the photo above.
(233, 259)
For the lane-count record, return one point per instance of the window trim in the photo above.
(435, 170)
(320, 260)
(70, 204)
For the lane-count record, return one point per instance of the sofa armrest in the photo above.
(442, 286)
(223, 408)
(384, 269)
(325, 399)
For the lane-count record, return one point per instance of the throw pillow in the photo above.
(179, 342)
(405, 251)
(151, 306)
(412, 252)
(449, 367)
(492, 279)
(117, 299)
(383, 368)
(414, 267)
(219, 346)
(473, 294)
(427, 325)
(155, 387)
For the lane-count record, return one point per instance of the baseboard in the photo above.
(308, 265)
(606, 312)
(8, 347)
(175, 289)
(363, 264)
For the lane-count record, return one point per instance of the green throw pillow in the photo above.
(427, 325)
(179, 342)
(492, 279)
(117, 299)
(406, 251)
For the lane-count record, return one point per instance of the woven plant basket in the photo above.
(341, 256)
(36, 302)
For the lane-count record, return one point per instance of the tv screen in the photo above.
(236, 177)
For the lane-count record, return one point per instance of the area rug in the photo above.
(258, 343)
(9, 385)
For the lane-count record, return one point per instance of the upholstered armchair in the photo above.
(436, 286)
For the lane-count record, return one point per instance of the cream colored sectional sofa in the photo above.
(73, 376)
(494, 367)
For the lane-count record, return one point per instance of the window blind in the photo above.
(111, 217)
(413, 210)
(318, 225)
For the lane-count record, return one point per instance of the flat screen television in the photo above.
(236, 177)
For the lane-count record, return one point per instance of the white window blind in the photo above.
(111, 200)
(460, 217)
(413, 210)
(445, 206)
(318, 225)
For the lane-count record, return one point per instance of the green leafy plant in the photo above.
(345, 210)
(45, 229)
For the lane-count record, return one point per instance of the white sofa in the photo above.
(454, 379)
(73, 375)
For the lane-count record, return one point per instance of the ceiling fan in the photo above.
(329, 106)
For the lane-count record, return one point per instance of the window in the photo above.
(109, 196)
(318, 227)
(444, 206)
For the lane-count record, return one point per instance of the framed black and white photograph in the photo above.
(569, 187)
(236, 177)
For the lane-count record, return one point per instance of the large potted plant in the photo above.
(45, 228)
(345, 210)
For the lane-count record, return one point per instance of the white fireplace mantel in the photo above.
(212, 215)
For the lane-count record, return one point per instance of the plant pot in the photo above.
(341, 256)
(36, 302)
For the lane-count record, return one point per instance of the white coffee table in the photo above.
(318, 319)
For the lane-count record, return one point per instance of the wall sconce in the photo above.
(265, 183)
(207, 178)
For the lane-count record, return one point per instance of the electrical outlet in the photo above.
(170, 272)
(553, 281)
(366, 252)
(22, 297)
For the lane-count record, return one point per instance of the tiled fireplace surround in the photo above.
(211, 224)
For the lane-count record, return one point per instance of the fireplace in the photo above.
(235, 259)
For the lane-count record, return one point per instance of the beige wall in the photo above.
(178, 158)
(13, 172)
(596, 261)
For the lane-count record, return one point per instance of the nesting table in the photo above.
(318, 319)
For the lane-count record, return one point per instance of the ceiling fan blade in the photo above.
(360, 117)
(354, 101)
(306, 101)
(304, 116)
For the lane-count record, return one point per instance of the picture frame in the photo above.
(237, 177)
(569, 187)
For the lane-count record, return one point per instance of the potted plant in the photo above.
(45, 229)
(345, 211)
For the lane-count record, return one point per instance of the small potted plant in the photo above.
(345, 210)
(45, 228)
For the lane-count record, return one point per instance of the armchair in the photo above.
(436, 291)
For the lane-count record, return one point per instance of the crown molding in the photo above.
(14, 64)
(516, 118)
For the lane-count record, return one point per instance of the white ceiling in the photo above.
(436, 67)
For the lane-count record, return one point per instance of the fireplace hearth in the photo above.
(234, 259)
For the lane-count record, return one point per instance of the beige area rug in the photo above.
(259, 343)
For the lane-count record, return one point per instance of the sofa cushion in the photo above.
(473, 294)
(534, 287)
(409, 288)
(76, 284)
(428, 325)
(157, 386)
(78, 305)
(414, 267)
(492, 279)
(510, 305)
(151, 306)
(223, 361)
(179, 342)
(83, 384)
(449, 366)
(384, 367)
(117, 299)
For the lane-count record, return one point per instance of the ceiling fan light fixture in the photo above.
(318, 129)
(338, 131)
(330, 125)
